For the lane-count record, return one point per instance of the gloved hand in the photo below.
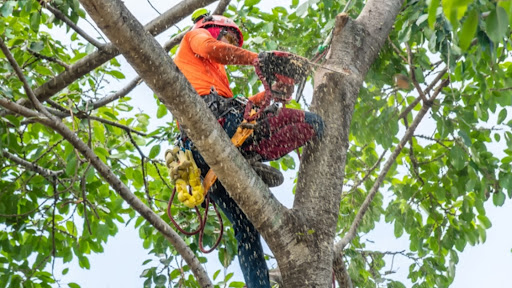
(286, 64)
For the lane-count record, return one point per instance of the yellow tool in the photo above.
(184, 173)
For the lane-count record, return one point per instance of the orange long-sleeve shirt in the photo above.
(201, 58)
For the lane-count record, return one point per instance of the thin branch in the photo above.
(368, 173)
(174, 41)
(26, 86)
(373, 191)
(83, 183)
(47, 173)
(413, 75)
(427, 91)
(59, 15)
(387, 166)
(119, 94)
(156, 10)
(397, 50)
(501, 89)
(143, 167)
(51, 59)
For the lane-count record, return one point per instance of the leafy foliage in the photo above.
(434, 193)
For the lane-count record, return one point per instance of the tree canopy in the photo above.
(418, 134)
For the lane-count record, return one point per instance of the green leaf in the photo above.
(502, 116)
(161, 112)
(432, 13)
(498, 198)
(7, 8)
(497, 24)
(398, 229)
(116, 74)
(35, 20)
(73, 285)
(37, 46)
(457, 157)
(237, 284)
(251, 2)
(302, 9)
(71, 166)
(155, 150)
(160, 280)
(507, 5)
(467, 33)
(485, 221)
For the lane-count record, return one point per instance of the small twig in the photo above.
(51, 59)
(397, 50)
(368, 173)
(19, 73)
(413, 75)
(119, 94)
(143, 167)
(59, 15)
(151, 4)
(83, 182)
(47, 173)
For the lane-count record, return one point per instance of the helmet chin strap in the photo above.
(222, 33)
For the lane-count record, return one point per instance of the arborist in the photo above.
(215, 41)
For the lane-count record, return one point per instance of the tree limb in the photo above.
(117, 185)
(221, 7)
(47, 173)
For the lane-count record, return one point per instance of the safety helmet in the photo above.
(207, 20)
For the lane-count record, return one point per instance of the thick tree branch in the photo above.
(223, 4)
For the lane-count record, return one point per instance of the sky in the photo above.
(120, 265)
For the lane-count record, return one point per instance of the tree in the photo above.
(69, 153)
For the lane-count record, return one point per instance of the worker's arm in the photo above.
(204, 45)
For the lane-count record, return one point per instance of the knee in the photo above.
(316, 122)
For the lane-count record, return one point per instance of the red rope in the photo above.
(202, 222)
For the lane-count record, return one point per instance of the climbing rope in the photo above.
(202, 222)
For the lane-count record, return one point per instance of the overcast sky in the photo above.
(485, 265)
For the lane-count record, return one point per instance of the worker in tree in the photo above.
(213, 42)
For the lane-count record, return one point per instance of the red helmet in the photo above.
(220, 21)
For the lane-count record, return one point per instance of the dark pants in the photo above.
(278, 133)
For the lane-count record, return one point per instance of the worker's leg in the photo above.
(250, 251)
(279, 134)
